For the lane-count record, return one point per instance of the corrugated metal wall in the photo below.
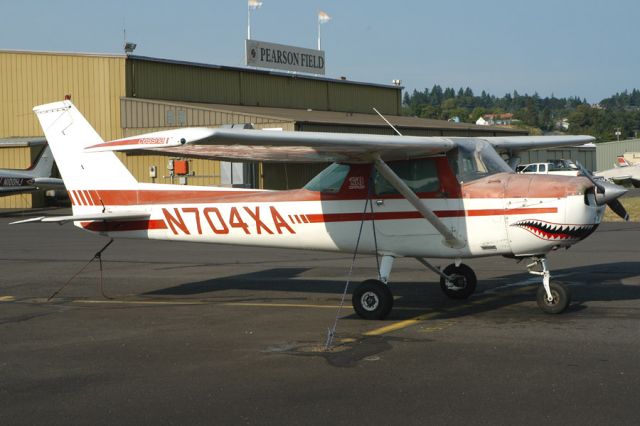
(283, 92)
(352, 98)
(155, 115)
(163, 80)
(607, 152)
(20, 157)
(381, 130)
(157, 79)
(27, 79)
(586, 156)
(372, 130)
(207, 172)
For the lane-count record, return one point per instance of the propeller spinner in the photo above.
(607, 193)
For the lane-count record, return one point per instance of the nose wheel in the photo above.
(560, 298)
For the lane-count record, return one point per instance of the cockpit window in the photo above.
(421, 175)
(473, 160)
(330, 179)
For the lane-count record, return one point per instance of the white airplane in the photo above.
(392, 196)
(623, 174)
(38, 176)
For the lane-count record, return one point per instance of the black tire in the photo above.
(561, 298)
(372, 300)
(463, 277)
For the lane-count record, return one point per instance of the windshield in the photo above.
(476, 159)
(330, 179)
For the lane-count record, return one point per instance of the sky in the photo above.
(581, 48)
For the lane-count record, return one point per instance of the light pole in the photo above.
(323, 18)
(251, 5)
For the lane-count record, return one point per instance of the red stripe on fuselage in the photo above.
(352, 217)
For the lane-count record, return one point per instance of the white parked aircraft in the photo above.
(394, 196)
(623, 174)
(38, 176)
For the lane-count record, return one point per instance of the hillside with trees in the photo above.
(539, 115)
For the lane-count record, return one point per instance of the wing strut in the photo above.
(449, 239)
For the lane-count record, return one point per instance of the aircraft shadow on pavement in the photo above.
(601, 282)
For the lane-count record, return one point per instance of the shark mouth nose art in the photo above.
(555, 231)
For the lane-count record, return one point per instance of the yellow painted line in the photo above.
(7, 298)
(401, 324)
(136, 302)
(281, 305)
(412, 321)
(305, 305)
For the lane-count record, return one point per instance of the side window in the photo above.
(420, 175)
(531, 168)
(543, 168)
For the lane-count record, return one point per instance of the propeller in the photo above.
(606, 193)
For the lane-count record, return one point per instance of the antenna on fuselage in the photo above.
(387, 121)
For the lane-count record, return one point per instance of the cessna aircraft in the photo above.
(392, 196)
(38, 176)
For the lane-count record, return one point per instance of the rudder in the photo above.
(68, 133)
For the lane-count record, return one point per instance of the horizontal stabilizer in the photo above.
(105, 217)
(31, 219)
(48, 183)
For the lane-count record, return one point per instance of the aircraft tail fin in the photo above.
(621, 162)
(43, 164)
(68, 134)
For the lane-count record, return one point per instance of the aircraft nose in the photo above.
(608, 192)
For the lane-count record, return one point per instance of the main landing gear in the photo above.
(372, 299)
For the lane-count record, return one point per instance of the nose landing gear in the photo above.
(552, 297)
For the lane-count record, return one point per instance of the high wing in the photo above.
(262, 145)
(523, 143)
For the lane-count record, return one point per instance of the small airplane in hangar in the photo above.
(392, 196)
(38, 176)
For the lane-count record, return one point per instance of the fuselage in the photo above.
(500, 214)
(16, 181)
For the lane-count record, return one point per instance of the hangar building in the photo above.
(127, 95)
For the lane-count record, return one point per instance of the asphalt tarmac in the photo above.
(201, 334)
